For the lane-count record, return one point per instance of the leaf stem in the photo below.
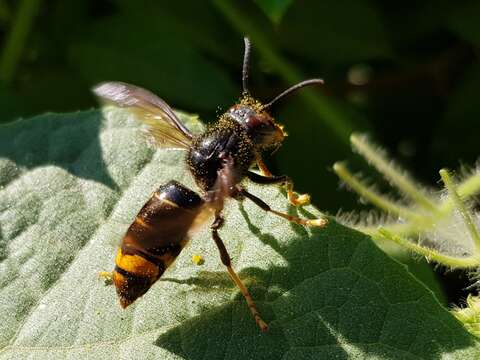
(372, 196)
(469, 187)
(431, 254)
(333, 119)
(374, 157)
(27, 9)
(402, 228)
(457, 201)
(465, 189)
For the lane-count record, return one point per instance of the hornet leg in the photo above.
(263, 168)
(293, 198)
(262, 204)
(225, 257)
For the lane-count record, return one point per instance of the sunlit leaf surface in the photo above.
(70, 186)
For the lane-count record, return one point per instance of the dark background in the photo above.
(405, 72)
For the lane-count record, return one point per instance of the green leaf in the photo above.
(70, 186)
(274, 9)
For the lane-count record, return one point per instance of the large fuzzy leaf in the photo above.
(70, 186)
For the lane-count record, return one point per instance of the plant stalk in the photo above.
(457, 201)
(430, 254)
(16, 38)
(391, 174)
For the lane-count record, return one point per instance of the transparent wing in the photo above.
(163, 125)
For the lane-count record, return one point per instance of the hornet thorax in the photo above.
(225, 140)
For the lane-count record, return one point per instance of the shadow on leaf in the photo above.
(338, 297)
(63, 140)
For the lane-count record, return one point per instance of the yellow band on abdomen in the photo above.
(136, 264)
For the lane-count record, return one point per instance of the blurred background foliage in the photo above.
(406, 72)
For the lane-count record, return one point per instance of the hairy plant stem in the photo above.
(422, 217)
(457, 201)
(391, 174)
(375, 198)
(466, 189)
(431, 254)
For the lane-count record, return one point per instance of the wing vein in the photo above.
(163, 125)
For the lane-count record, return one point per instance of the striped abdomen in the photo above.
(154, 240)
